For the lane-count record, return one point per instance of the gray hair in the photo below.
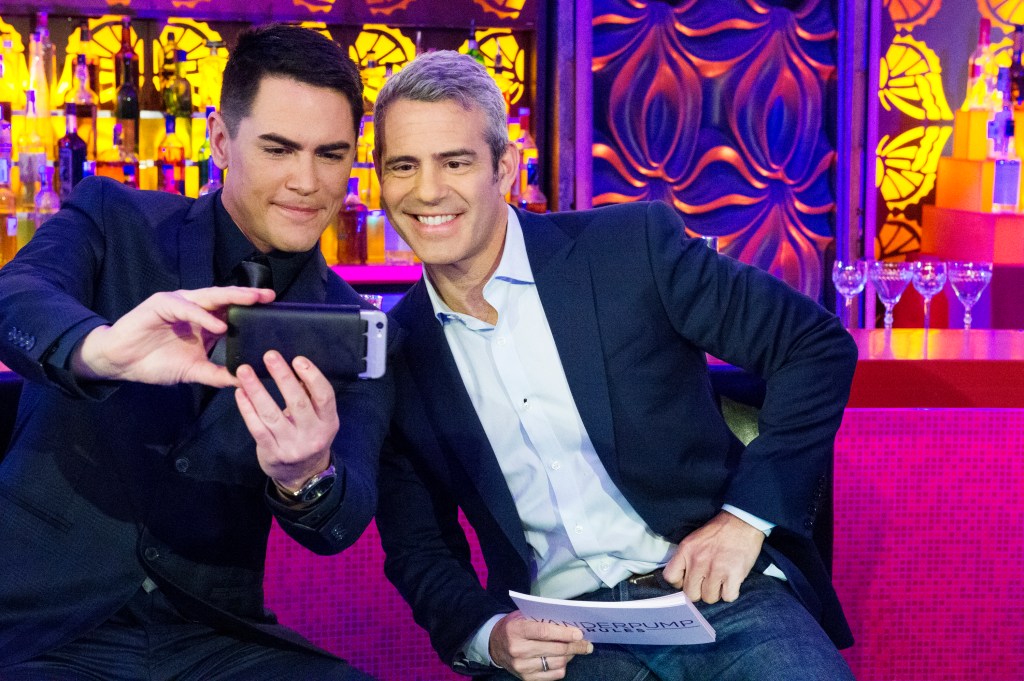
(447, 76)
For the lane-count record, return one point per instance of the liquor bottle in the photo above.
(170, 58)
(131, 175)
(8, 204)
(71, 154)
(168, 182)
(214, 178)
(92, 62)
(126, 109)
(1003, 151)
(46, 202)
(116, 161)
(352, 227)
(504, 81)
(126, 58)
(979, 85)
(202, 156)
(369, 75)
(11, 87)
(38, 84)
(1017, 68)
(474, 46)
(7, 88)
(527, 147)
(172, 153)
(178, 101)
(85, 101)
(533, 198)
(49, 60)
(211, 73)
(31, 150)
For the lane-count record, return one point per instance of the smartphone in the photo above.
(343, 341)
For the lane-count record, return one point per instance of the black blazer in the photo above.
(104, 485)
(633, 305)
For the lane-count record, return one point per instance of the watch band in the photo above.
(313, 489)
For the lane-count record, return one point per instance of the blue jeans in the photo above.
(148, 639)
(764, 635)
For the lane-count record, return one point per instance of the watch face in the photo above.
(321, 488)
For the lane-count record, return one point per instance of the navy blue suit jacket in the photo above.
(633, 306)
(105, 485)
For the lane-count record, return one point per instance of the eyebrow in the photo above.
(295, 146)
(454, 153)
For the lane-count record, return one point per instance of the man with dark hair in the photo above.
(552, 384)
(137, 494)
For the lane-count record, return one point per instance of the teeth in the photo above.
(435, 219)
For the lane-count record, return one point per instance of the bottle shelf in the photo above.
(379, 273)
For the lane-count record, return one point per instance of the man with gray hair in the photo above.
(552, 384)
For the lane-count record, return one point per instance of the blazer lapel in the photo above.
(451, 412)
(566, 289)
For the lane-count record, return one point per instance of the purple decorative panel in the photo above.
(722, 109)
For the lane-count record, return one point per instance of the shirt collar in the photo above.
(514, 268)
(231, 246)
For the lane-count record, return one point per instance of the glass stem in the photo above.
(888, 316)
(967, 319)
(927, 302)
(849, 312)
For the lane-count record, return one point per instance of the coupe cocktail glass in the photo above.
(890, 280)
(849, 278)
(969, 280)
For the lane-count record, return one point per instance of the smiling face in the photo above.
(440, 188)
(288, 164)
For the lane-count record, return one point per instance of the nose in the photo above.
(302, 178)
(431, 187)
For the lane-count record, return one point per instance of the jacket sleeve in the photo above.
(336, 521)
(47, 290)
(751, 319)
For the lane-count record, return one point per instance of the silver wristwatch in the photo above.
(313, 489)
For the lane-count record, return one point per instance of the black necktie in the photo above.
(255, 271)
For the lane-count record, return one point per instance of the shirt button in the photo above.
(556, 465)
(151, 553)
(181, 464)
(502, 341)
(578, 529)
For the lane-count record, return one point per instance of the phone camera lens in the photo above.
(380, 325)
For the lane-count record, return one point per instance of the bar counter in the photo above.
(929, 525)
(929, 518)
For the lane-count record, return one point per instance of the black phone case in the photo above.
(333, 337)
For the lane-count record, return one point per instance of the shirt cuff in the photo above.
(752, 520)
(477, 648)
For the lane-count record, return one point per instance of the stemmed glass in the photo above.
(849, 278)
(929, 278)
(890, 280)
(969, 280)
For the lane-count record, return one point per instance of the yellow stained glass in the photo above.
(898, 236)
(1005, 13)
(907, 14)
(910, 79)
(384, 46)
(190, 36)
(905, 166)
(513, 57)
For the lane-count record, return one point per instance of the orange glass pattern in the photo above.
(908, 14)
(752, 164)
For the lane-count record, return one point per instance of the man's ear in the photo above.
(376, 162)
(219, 139)
(508, 168)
